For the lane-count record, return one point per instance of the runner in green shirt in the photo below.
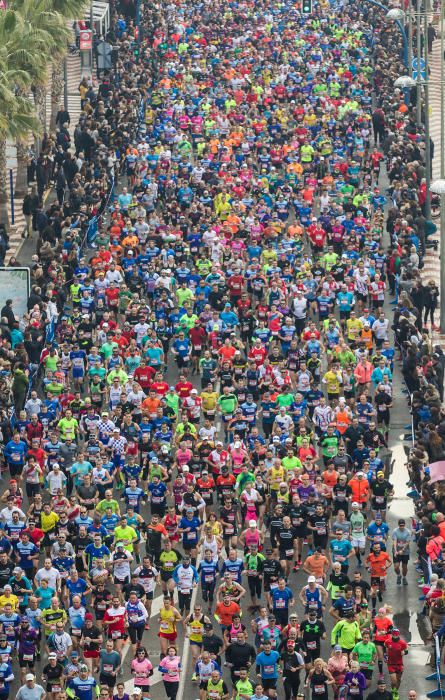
(243, 687)
(285, 399)
(365, 652)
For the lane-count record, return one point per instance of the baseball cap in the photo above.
(52, 656)
(252, 523)
(337, 647)
(29, 677)
(137, 691)
(355, 504)
(83, 667)
(311, 579)
(380, 474)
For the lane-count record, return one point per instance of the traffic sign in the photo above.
(421, 62)
(422, 75)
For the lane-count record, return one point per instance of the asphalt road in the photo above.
(404, 599)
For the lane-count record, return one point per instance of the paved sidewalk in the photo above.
(431, 269)
(74, 76)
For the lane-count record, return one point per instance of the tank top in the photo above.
(171, 525)
(343, 421)
(212, 545)
(318, 683)
(215, 690)
(252, 537)
(133, 612)
(167, 624)
(196, 629)
(233, 631)
(313, 601)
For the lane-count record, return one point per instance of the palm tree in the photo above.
(17, 115)
(34, 64)
(45, 24)
(51, 17)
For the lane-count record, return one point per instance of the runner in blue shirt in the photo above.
(282, 598)
(267, 666)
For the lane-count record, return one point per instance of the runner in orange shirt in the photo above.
(378, 563)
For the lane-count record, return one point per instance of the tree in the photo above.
(45, 25)
(52, 17)
(17, 115)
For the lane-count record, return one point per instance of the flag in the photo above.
(437, 471)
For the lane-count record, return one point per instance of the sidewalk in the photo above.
(73, 73)
(433, 259)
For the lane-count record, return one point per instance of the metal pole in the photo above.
(65, 84)
(11, 189)
(427, 123)
(92, 34)
(138, 24)
(410, 40)
(419, 77)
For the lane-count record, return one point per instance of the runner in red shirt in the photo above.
(183, 387)
(235, 285)
(258, 353)
(396, 648)
(114, 622)
(143, 375)
(198, 338)
(382, 627)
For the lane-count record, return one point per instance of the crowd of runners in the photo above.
(202, 393)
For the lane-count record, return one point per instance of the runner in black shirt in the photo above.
(285, 538)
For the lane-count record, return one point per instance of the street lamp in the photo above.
(438, 187)
(400, 27)
(395, 14)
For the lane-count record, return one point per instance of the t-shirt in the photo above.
(365, 654)
(25, 693)
(268, 664)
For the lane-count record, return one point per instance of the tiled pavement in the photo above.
(432, 261)
(74, 76)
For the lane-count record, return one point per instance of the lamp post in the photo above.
(397, 15)
(438, 187)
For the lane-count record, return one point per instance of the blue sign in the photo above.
(422, 64)
(422, 75)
